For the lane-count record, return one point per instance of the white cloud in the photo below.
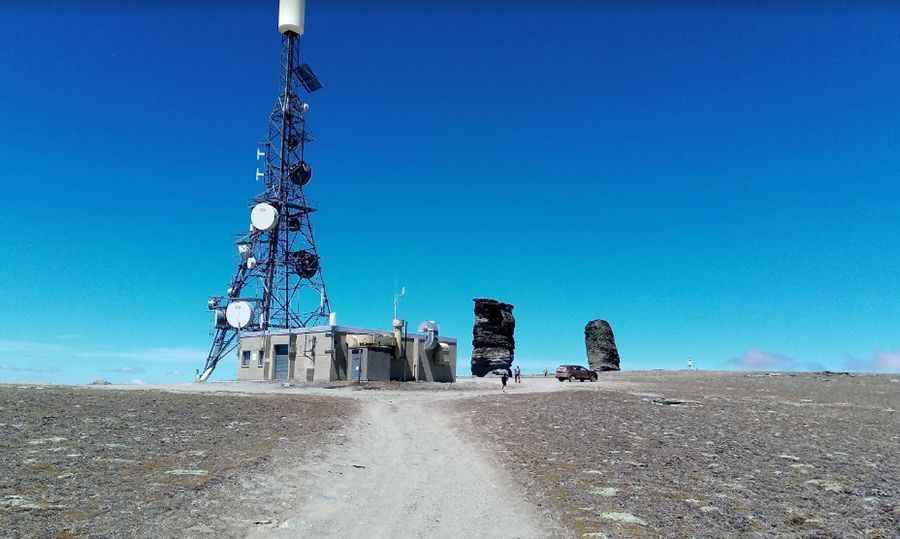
(136, 381)
(888, 361)
(60, 356)
(152, 355)
(127, 370)
(13, 368)
(28, 347)
(757, 360)
(155, 354)
(878, 362)
(761, 360)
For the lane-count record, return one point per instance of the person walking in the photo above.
(503, 379)
(518, 375)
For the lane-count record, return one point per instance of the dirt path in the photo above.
(405, 467)
(405, 472)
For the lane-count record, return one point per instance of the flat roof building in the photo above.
(333, 353)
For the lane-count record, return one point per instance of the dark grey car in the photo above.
(575, 372)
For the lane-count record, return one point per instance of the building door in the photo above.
(282, 362)
(356, 363)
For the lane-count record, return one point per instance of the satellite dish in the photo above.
(243, 249)
(251, 263)
(264, 216)
(239, 314)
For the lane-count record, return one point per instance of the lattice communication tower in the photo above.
(278, 282)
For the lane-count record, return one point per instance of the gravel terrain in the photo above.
(653, 454)
(695, 454)
(81, 462)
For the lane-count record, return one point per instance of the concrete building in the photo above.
(332, 353)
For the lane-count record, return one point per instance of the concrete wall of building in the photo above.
(257, 347)
(313, 357)
(262, 345)
(416, 364)
(402, 364)
(322, 355)
(443, 364)
(436, 366)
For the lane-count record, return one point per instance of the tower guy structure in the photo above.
(278, 282)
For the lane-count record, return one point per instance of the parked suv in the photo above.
(575, 372)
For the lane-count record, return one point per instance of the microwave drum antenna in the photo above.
(301, 174)
(220, 320)
(306, 263)
(263, 216)
(239, 314)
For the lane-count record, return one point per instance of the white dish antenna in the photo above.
(239, 314)
(263, 216)
(291, 16)
(251, 263)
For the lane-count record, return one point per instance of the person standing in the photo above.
(518, 375)
(503, 379)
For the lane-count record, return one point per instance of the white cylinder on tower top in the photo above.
(291, 16)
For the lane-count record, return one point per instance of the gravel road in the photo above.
(404, 471)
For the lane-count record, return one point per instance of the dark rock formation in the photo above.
(602, 354)
(492, 336)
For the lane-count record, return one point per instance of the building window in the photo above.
(245, 358)
(259, 359)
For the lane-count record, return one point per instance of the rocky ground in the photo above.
(656, 454)
(79, 462)
(704, 455)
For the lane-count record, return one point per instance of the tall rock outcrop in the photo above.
(492, 336)
(602, 354)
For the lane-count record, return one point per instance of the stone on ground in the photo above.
(492, 336)
(602, 354)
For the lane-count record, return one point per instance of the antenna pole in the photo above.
(283, 165)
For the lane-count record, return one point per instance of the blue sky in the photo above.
(719, 182)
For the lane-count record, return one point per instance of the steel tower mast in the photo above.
(278, 282)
